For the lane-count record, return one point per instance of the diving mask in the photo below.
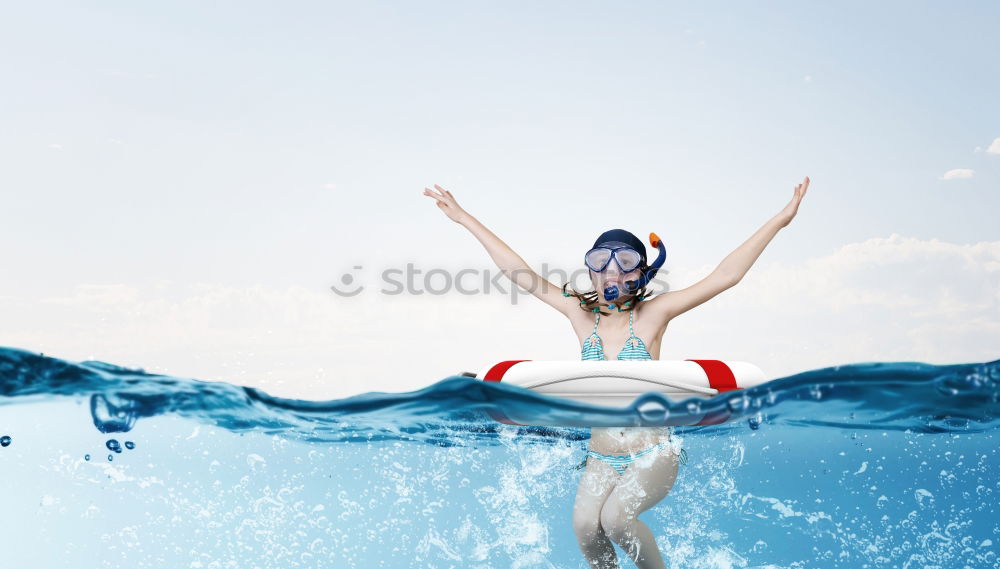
(628, 260)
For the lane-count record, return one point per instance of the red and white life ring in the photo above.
(617, 383)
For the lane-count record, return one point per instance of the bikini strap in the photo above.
(630, 332)
(596, 321)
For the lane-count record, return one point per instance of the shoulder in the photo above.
(653, 312)
(582, 321)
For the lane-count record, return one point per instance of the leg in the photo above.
(596, 483)
(645, 482)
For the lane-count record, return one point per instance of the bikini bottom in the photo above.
(620, 463)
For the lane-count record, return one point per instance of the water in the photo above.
(870, 465)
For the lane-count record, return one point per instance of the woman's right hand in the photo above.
(446, 202)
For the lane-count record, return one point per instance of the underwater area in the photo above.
(868, 465)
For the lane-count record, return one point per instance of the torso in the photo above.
(613, 332)
(625, 440)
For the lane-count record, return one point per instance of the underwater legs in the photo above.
(596, 483)
(607, 505)
(643, 485)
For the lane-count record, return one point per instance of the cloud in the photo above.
(884, 299)
(994, 147)
(294, 341)
(892, 298)
(957, 173)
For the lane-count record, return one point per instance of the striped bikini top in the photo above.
(635, 349)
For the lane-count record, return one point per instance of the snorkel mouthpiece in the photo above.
(611, 292)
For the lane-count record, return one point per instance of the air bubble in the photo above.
(652, 408)
(739, 403)
(816, 392)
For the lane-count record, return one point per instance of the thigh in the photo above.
(646, 481)
(596, 483)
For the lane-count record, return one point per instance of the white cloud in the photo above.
(957, 173)
(994, 147)
(884, 299)
(889, 298)
(294, 342)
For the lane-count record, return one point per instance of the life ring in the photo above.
(617, 383)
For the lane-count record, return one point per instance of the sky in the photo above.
(183, 182)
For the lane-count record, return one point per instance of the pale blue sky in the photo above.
(279, 144)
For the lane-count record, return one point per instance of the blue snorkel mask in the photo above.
(630, 254)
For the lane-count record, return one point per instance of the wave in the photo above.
(904, 396)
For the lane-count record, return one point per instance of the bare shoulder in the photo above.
(650, 320)
(651, 316)
(581, 320)
(654, 313)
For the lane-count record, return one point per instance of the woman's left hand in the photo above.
(792, 208)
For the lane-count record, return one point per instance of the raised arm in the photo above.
(730, 271)
(509, 262)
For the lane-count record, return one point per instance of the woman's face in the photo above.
(612, 275)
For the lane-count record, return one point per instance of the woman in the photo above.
(636, 466)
